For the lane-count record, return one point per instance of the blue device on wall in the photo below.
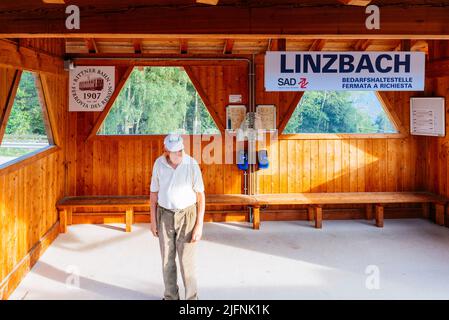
(242, 160)
(262, 159)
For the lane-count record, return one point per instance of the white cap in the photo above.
(173, 142)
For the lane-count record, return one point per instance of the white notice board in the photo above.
(267, 115)
(427, 116)
(235, 115)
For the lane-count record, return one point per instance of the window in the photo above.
(158, 100)
(26, 129)
(339, 112)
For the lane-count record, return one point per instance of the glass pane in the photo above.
(158, 100)
(25, 129)
(339, 112)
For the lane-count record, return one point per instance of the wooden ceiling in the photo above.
(256, 20)
(215, 2)
(217, 46)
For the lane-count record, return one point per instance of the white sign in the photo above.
(320, 70)
(427, 116)
(90, 88)
(235, 98)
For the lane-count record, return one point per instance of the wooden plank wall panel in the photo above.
(54, 47)
(28, 193)
(123, 164)
(335, 165)
(340, 165)
(6, 81)
(436, 149)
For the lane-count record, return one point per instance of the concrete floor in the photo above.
(283, 260)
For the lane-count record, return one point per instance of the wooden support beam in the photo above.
(50, 126)
(53, 1)
(277, 45)
(390, 110)
(420, 45)
(199, 88)
(125, 20)
(317, 45)
(107, 108)
(91, 45)
(210, 2)
(362, 44)
(183, 46)
(6, 110)
(291, 108)
(282, 44)
(14, 56)
(362, 3)
(406, 45)
(379, 215)
(228, 46)
(137, 43)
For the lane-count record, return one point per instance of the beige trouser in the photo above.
(175, 233)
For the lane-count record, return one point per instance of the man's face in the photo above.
(175, 157)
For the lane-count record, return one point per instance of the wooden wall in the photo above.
(341, 163)
(123, 164)
(29, 190)
(436, 149)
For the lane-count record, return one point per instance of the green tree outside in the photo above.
(158, 100)
(339, 112)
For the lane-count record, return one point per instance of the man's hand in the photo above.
(197, 233)
(153, 229)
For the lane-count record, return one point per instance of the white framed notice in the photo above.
(235, 98)
(347, 70)
(427, 116)
(235, 114)
(267, 114)
(90, 87)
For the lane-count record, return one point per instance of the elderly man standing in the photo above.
(177, 212)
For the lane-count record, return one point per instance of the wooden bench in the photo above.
(315, 202)
(127, 203)
(66, 205)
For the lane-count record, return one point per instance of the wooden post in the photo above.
(63, 221)
(439, 214)
(129, 218)
(379, 215)
(69, 216)
(310, 215)
(369, 212)
(256, 217)
(318, 217)
(426, 210)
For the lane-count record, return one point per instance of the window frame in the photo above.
(120, 86)
(52, 147)
(388, 109)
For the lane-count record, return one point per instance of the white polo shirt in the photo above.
(176, 187)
